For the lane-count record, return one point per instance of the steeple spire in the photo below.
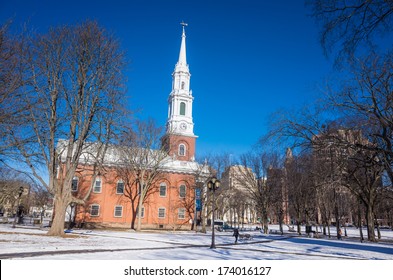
(182, 62)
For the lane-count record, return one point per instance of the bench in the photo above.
(291, 228)
(245, 236)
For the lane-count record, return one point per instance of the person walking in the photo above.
(339, 234)
(236, 234)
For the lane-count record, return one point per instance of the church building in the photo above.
(172, 204)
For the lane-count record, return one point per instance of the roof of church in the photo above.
(117, 155)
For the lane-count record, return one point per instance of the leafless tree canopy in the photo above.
(351, 24)
(72, 86)
(141, 168)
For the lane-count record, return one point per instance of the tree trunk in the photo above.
(138, 227)
(370, 223)
(299, 230)
(378, 229)
(57, 227)
(280, 220)
(328, 227)
(133, 218)
(360, 221)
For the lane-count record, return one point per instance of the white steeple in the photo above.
(182, 55)
(180, 99)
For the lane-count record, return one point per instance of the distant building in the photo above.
(238, 204)
(333, 152)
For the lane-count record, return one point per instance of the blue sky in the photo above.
(247, 58)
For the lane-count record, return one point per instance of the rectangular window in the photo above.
(182, 191)
(120, 188)
(182, 213)
(162, 190)
(118, 211)
(142, 212)
(97, 186)
(74, 184)
(95, 210)
(161, 213)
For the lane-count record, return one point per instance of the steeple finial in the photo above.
(184, 25)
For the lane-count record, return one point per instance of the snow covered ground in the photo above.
(27, 253)
(32, 243)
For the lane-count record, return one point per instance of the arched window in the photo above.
(182, 191)
(182, 85)
(182, 108)
(182, 150)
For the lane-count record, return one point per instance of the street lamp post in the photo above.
(18, 205)
(71, 219)
(213, 185)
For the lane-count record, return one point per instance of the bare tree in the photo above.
(72, 86)
(301, 189)
(254, 171)
(12, 109)
(41, 200)
(10, 183)
(365, 100)
(202, 175)
(213, 165)
(364, 179)
(142, 164)
(352, 24)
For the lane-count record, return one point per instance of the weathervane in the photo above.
(184, 25)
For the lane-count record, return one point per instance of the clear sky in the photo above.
(247, 58)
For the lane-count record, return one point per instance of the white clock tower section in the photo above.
(180, 99)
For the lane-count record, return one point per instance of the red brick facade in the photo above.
(169, 206)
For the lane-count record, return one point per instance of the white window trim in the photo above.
(91, 208)
(114, 213)
(120, 181)
(97, 179)
(185, 191)
(159, 212)
(166, 189)
(143, 212)
(184, 214)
